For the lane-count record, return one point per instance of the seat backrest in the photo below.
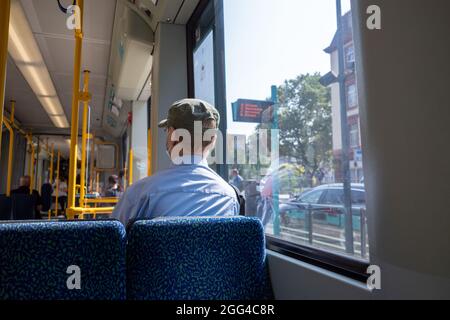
(23, 206)
(45, 260)
(5, 208)
(197, 259)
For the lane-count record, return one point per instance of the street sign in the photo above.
(252, 111)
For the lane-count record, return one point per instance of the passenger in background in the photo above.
(114, 190)
(24, 188)
(189, 187)
(62, 193)
(236, 180)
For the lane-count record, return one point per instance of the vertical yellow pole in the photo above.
(11, 150)
(57, 183)
(5, 6)
(52, 156)
(84, 139)
(91, 176)
(97, 182)
(39, 181)
(75, 103)
(130, 169)
(50, 176)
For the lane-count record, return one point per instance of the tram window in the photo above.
(293, 45)
(106, 156)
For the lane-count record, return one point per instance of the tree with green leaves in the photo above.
(305, 124)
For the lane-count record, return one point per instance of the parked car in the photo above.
(326, 203)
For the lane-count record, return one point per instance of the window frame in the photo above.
(347, 266)
(350, 267)
(211, 11)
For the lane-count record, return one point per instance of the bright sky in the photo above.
(269, 41)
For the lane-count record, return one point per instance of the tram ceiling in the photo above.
(56, 44)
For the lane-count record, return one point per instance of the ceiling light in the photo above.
(60, 121)
(28, 58)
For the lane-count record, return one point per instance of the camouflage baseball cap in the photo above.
(183, 114)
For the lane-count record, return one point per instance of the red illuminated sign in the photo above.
(251, 111)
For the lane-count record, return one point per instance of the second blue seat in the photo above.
(197, 259)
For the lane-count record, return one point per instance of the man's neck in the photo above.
(196, 159)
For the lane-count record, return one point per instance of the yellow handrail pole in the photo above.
(32, 167)
(11, 149)
(57, 183)
(31, 162)
(52, 159)
(5, 6)
(75, 103)
(50, 176)
(92, 172)
(10, 157)
(85, 97)
(130, 170)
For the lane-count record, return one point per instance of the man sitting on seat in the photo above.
(114, 190)
(189, 187)
(24, 188)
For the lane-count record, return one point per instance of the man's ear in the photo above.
(171, 135)
(212, 144)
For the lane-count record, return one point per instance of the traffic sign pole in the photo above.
(275, 164)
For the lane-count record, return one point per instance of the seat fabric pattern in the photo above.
(36, 256)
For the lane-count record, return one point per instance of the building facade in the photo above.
(352, 105)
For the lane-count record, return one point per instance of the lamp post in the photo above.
(349, 246)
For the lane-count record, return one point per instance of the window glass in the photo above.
(289, 129)
(352, 96)
(358, 197)
(311, 197)
(334, 196)
(354, 135)
(204, 69)
(139, 141)
(349, 55)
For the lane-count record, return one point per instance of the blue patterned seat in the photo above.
(35, 257)
(197, 259)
